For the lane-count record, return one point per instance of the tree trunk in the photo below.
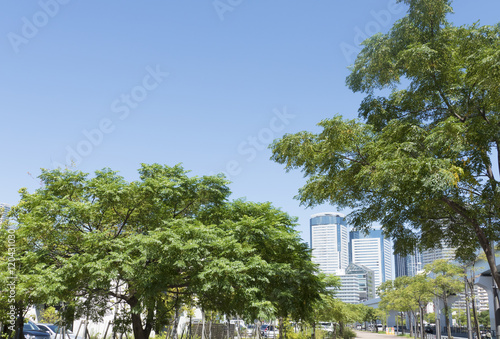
(176, 323)
(447, 317)
(410, 320)
(202, 324)
(20, 323)
(474, 311)
(139, 331)
(415, 324)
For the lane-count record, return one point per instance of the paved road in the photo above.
(382, 335)
(373, 335)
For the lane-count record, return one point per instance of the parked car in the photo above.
(269, 331)
(31, 331)
(52, 329)
(250, 330)
(326, 327)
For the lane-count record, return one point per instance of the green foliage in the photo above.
(430, 317)
(155, 244)
(50, 316)
(348, 333)
(460, 316)
(405, 294)
(421, 162)
(484, 318)
(298, 335)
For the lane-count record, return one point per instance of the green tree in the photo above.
(289, 278)
(369, 316)
(50, 316)
(381, 314)
(422, 163)
(406, 294)
(460, 316)
(430, 317)
(484, 318)
(420, 292)
(341, 313)
(446, 281)
(21, 285)
(392, 297)
(157, 243)
(322, 306)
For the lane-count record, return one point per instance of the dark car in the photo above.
(52, 329)
(31, 331)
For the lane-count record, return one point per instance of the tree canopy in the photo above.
(421, 159)
(93, 242)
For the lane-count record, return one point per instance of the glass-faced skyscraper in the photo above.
(409, 265)
(374, 252)
(329, 241)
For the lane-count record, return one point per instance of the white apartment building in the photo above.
(445, 252)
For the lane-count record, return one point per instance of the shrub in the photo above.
(349, 333)
(50, 316)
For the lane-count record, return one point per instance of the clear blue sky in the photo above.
(204, 83)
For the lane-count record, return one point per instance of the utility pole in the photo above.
(495, 296)
(438, 318)
(467, 308)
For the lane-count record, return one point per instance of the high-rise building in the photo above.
(329, 241)
(374, 252)
(445, 252)
(400, 268)
(414, 263)
(352, 235)
(408, 265)
(357, 284)
(4, 209)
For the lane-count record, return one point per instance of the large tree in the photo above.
(153, 244)
(421, 161)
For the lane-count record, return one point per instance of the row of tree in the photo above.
(95, 243)
(410, 295)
